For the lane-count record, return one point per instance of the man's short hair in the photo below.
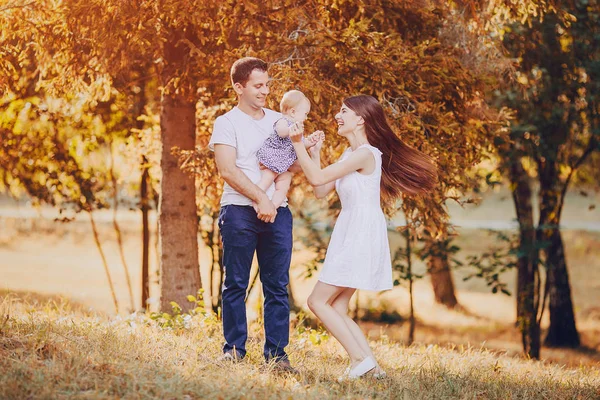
(242, 68)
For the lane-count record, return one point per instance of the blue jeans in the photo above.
(243, 234)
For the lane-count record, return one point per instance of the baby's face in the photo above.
(300, 112)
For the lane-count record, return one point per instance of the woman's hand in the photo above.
(316, 148)
(313, 138)
(296, 132)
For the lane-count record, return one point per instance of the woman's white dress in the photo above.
(358, 255)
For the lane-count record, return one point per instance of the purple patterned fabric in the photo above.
(277, 153)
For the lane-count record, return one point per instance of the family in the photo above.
(256, 151)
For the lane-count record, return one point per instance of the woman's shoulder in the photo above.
(345, 153)
(371, 148)
(360, 154)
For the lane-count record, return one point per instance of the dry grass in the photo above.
(51, 348)
(54, 349)
(50, 258)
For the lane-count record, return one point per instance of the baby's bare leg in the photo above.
(266, 179)
(282, 185)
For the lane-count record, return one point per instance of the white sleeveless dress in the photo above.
(358, 255)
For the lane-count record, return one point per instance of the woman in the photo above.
(377, 164)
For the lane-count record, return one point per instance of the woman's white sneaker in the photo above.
(361, 369)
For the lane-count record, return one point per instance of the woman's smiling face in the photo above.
(347, 120)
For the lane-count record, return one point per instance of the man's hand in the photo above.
(295, 167)
(265, 210)
(225, 157)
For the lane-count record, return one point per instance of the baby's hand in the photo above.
(314, 138)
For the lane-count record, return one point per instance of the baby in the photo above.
(277, 153)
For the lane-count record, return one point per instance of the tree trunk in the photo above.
(528, 288)
(104, 262)
(562, 331)
(214, 243)
(411, 321)
(438, 268)
(178, 220)
(441, 280)
(138, 110)
(522, 194)
(221, 276)
(145, 233)
(117, 228)
(209, 241)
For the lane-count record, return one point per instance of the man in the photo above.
(237, 136)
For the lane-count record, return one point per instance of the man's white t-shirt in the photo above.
(237, 129)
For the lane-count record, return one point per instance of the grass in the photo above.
(50, 348)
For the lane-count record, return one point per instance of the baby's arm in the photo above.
(282, 128)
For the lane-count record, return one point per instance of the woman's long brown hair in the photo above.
(404, 169)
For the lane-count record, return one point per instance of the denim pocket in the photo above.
(222, 213)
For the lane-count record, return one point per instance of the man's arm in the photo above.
(225, 157)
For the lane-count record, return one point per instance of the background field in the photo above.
(52, 258)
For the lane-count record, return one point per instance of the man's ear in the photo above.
(238, 87)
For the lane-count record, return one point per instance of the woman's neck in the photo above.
(356, 140)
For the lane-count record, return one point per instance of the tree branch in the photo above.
(591, 146)
(13, 6)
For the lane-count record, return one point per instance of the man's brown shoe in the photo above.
(284, 366)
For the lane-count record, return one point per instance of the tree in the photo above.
(557, 127)
(392, 51)
(438, 267)
(46, 155)
(406, 54)
(519, 26)
(100, 45)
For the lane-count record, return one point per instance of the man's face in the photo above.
(254, 94)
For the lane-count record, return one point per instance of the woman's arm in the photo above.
(315, 155)
(317, 176)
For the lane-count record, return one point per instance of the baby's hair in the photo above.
(292, 99)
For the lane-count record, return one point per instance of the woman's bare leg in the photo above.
(319, 302)
(340, 305)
